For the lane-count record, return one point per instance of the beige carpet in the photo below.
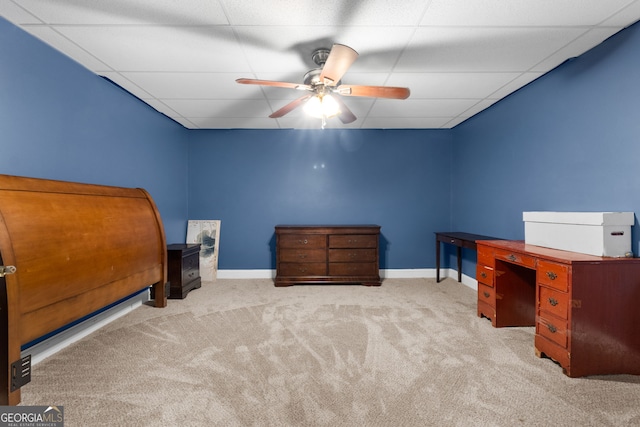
(244, 353)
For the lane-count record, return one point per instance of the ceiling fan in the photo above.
(324, 81)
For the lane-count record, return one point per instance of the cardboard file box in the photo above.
(595, 233)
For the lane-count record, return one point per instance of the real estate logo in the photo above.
(31, 416)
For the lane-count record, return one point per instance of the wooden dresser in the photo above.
(184, 269)
(327, 254)
(584, 308)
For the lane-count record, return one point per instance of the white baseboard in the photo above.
(52, 345)
(408, 273)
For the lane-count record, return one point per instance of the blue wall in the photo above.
(60, 121)
(254, 180)
(570, 141)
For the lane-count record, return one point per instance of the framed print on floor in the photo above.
(207, 233)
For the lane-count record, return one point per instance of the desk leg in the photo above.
(459, 263)
(437, 261)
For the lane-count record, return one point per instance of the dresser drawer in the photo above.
(302, 269)
(516, 258)
(553, 329)
(303, 255)
(313, 241)
(554, 302)
(352, 255)
(553, 274)
(353, 241)
(487, 295)
(353, 269)
(484, 275)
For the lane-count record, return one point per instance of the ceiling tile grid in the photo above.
(457, 57)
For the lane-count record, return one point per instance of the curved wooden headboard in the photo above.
(76, 248)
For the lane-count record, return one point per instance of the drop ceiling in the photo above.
(458, 57)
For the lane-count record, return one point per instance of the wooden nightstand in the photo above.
(183, 269)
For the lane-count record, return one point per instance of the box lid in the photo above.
(582, 218)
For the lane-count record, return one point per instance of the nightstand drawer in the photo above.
(352, 255)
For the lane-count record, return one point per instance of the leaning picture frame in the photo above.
(207, 234)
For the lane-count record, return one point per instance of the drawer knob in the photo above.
(486, 294)
(484, 275)
(553, 301)
(552, 328)
(304, 242)
(512, 257)
(551, 275)
(302, 256)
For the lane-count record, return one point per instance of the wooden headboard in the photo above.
(76, 248)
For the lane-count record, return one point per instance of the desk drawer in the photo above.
(553, 329)
(487, 294)
(302, 255)
(553, 274)
(515, 258)
(485, 256)
(554, 302)
(484, 275)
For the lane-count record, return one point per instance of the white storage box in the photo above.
(594, 233)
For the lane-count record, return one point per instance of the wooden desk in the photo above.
(583, 307)
(460, 240)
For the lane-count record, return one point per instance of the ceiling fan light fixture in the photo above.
(322, 106)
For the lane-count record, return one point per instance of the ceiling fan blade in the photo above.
(290, 107)
(374, 91)
(345, 116)
(273, 84)
(338, 62)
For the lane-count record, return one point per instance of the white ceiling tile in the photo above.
(627, 16)
(483, 49)
(160, 48)
(222, 108)
(451, 85)
(127, 84)
(182, 57)
(14, 13)
(64, 45)
(404, 123)
(420, 107)
(575, 48)
(314, 12)
(287, 48)
(103, 12)
(520, 12)
(478, 107)
(520, 81)
(192, 85)
(234, 123)
(164, 109)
